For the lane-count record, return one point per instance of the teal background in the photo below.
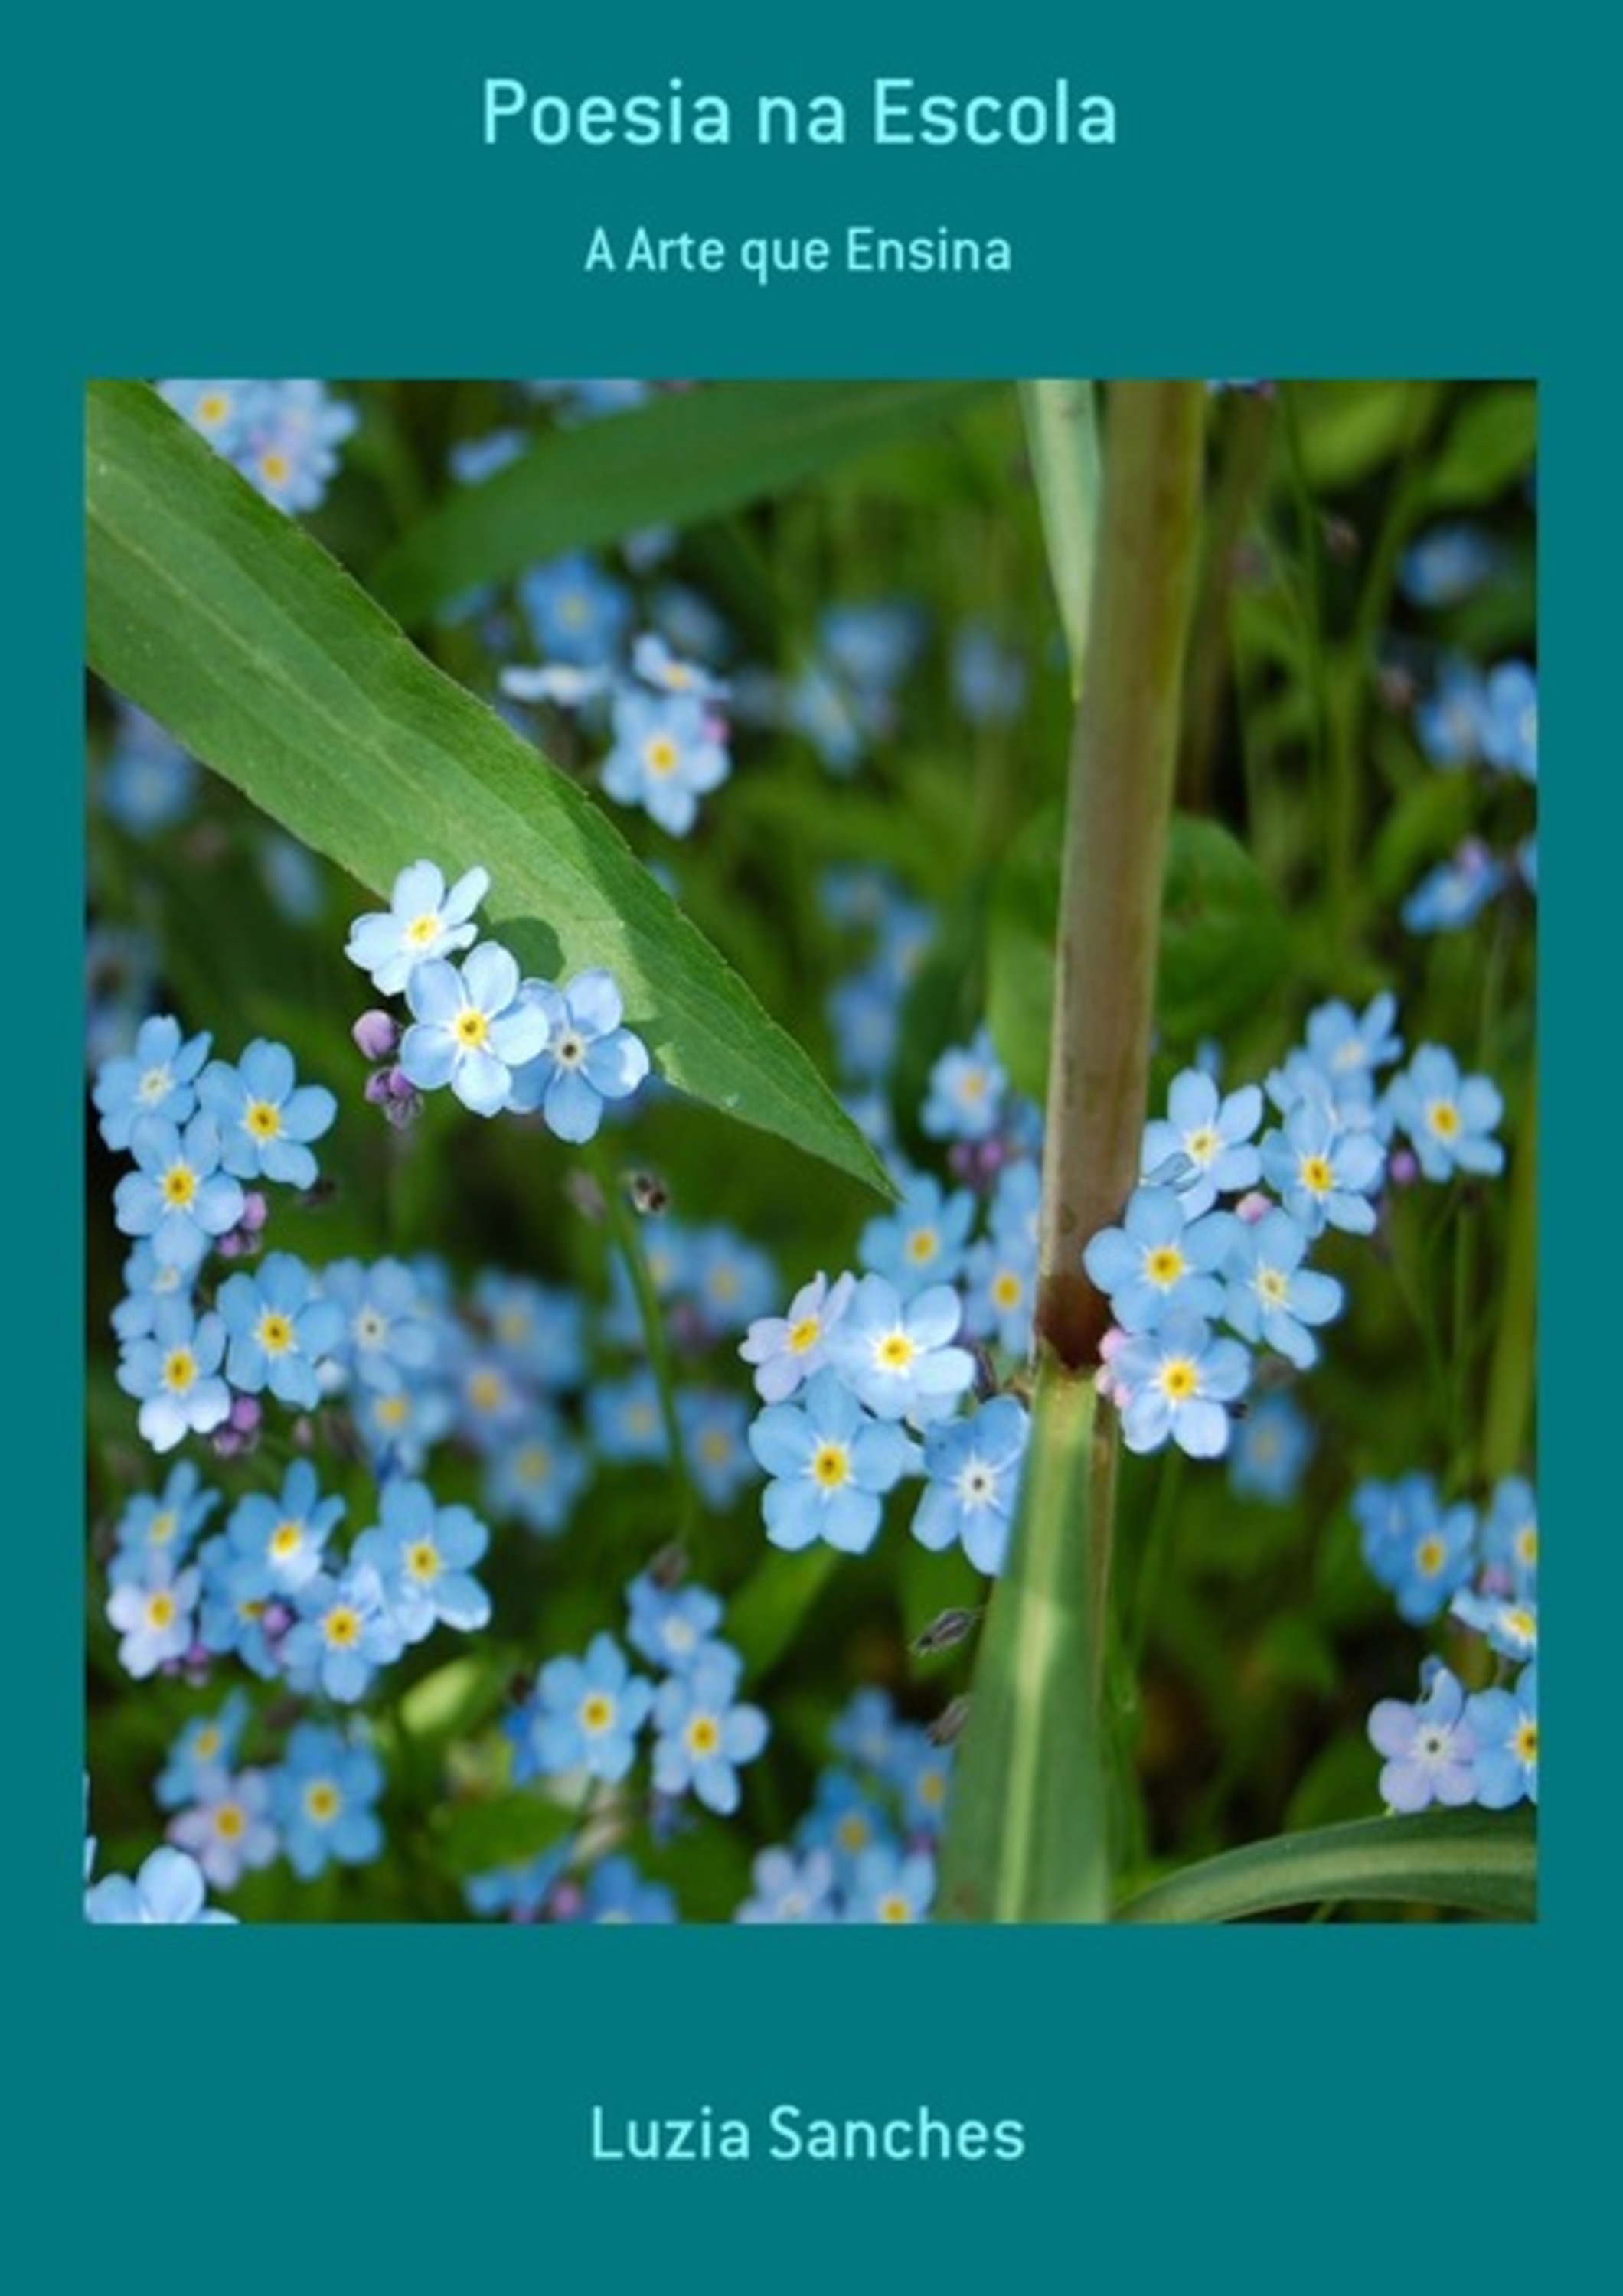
(1407, 191)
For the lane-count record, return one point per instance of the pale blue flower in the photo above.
(972, 1468)
(1213, 1133)
(1449, 1119)
(1178, 1380)
(423, 920)
(158, 1077)
(266, 1117)
(582, 1055)
(470, 1029)
(831, 1464)
(896, 1356)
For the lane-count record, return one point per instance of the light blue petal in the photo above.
(571, 1109)
(595, 1006)
(480, 1082)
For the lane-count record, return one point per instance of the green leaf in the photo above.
(766, 1615)
(479, 1836)
(693, 455)
(1062, 436)
(1026, 1838)
(1225, 943)
(454, 1699)
(1491, 443)
(1223, 939)
(1350, 428)
(1473, 1861)
(223, 620)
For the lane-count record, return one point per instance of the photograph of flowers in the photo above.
(811, 1163)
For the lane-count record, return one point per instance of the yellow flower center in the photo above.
(321, 1801)
(1315, 1175)
(161, 1610)
(263, 1120)
(485, 1391)
(285, 1540)
(213, 408)
(229, 1822)
(660, 754)
(805, 1334)
(1274, 1285)
(275, 1333)
(179, 1370)
(1443, 1118)
(422, 1560)
(703, 1735)
(422, 929)
(852, 1831)
(342, 1627)
(1164, 1265)
(1007, 1288)
(1179, 1379)
(1202, 1144)
(1429, 1556)
(179, 1186)
(830, 1466)
(596, 1713)
(163, 1527)
(470, 1027)
(274, 468)
(894, 1909)
(1526, 1740)
(923, 1244)
(895, 1351)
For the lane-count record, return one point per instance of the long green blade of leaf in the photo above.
(1062, 434)
(1026, 1836)
(225, 622)
(687, 457)
(1475, 1861)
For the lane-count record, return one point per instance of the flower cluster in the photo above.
(866, 1849)
(314, 1809)
(1469, 718)
(1219, 1229)
(268, 1590)
(498, 1041)
(585, 1717)
(662, 712)
(201, 1134)
(283, 436)
(588, 1721)
(1479, 1570)
(862, 1382)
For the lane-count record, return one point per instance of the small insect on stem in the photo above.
(943, 1631)
(948, 1725)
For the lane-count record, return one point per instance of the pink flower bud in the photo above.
(377, 1035)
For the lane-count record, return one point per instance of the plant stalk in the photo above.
(1122, 756)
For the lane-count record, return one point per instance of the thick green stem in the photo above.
(1123, 757)
(1027, 1836)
